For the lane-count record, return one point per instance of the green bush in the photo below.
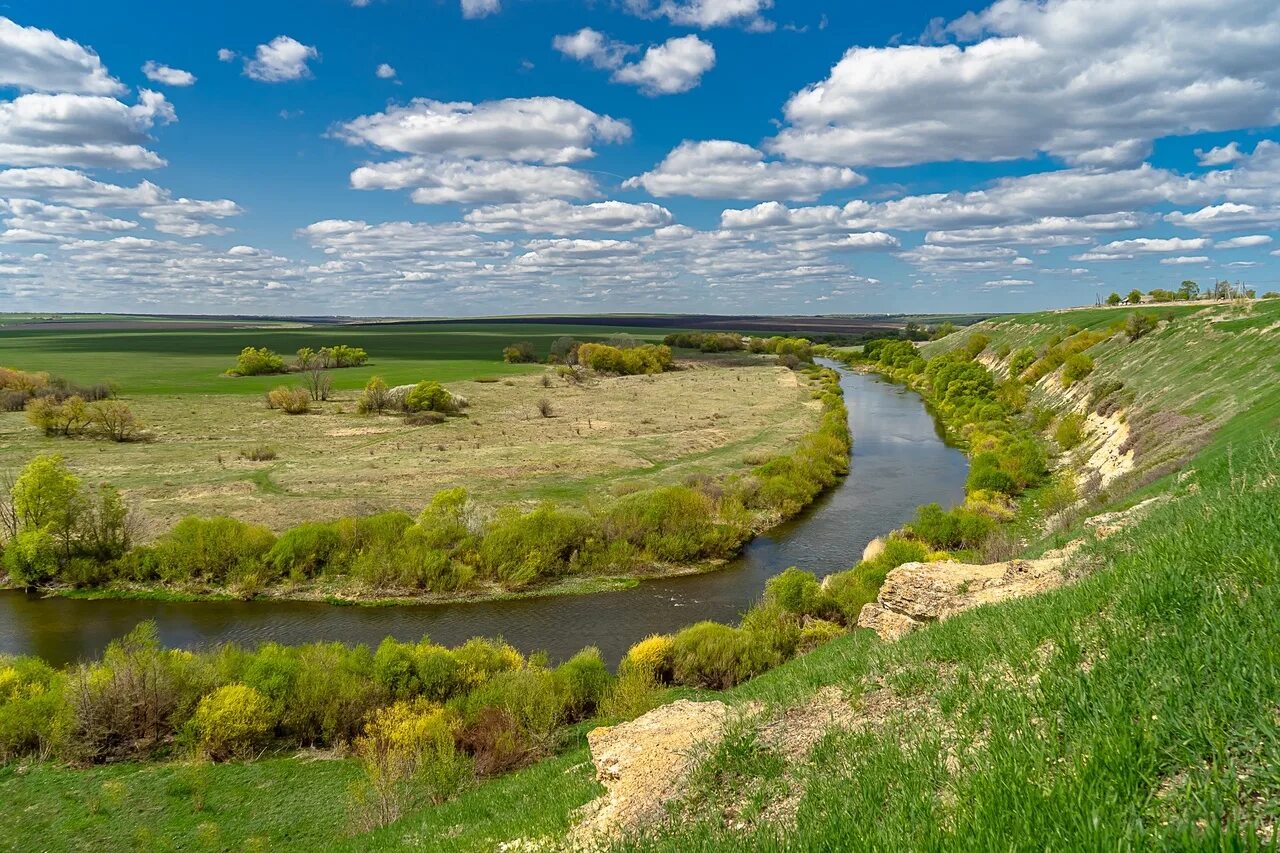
(215, 550)
(233, 722)
(798, 592)
(583, 681)
(519, 353)
(858, 586)
(1075, 368)
(35, 718)
(304, 551)
(1070, 430)
(945, 530)
(429, 396)
(715, 656)
(648, 358)
(257, 362)
(1021, 360)
(519, 548)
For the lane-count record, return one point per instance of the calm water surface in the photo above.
(899, 461)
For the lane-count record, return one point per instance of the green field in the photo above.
(178, 361)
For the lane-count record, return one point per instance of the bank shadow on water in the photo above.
(899, 462)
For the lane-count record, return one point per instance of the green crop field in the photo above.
(194, 361)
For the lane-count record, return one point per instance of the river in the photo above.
(899, 461)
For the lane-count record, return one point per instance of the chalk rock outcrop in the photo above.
(644, 764)
(915, 594)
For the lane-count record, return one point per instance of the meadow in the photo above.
(605, 434)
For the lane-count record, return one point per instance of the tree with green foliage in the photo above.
(1188, 290)
(1137, 325)
(1114, 299)
(257, 361)
(429, 396)
(1134, 297)
(521, 352)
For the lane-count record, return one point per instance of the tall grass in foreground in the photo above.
(1137, 709)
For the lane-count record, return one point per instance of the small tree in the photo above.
(257, 361)
(545, 409)
(1134, 297)
(1188, 290)
(1114, 299)
(47, 498)
(429, 396)
(115, 420)
(564, 350)
(375, 397)
(409, 758)
(66, 418)
(1137, 325)
(519, 353)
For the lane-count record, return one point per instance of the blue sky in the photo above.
(467, 157)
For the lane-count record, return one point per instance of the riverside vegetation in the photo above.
(1166, 641)
(453, 545)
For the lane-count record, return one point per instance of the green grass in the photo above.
(272, 804)
(1136, 709)
(193, 361)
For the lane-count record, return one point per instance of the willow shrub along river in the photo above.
(899, 462)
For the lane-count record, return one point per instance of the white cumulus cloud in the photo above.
(675, 66)
(282, 59)
(1090, 82)
(722, 169)
(36, 60)
(158, 73)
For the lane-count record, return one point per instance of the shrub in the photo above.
(817, 632)
(292, 401)
(1022, 359)
(672, 523)
(521, 547)
(631, 694)
(1070, 430)
(257, 362)
(305, 550)
(409, 759)
(34, 716)
(519, 353)
(258, 453)
(68, 417)
(374, 398)
(545, 409)
(32, 557)
(341, 355)
(1075, 368)
(115, 420)
(232, 722)
(216, 550)
(798, 592)
(1138, 325)
(648, 358)
(429, 396)
(583, 681)
(651, 657)
(494, 741)
(564, 350)
(715, 656)
(480, 659)
(424, 419)
(530, 698)
(948, 530)
(858, 586)
(772, 634)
